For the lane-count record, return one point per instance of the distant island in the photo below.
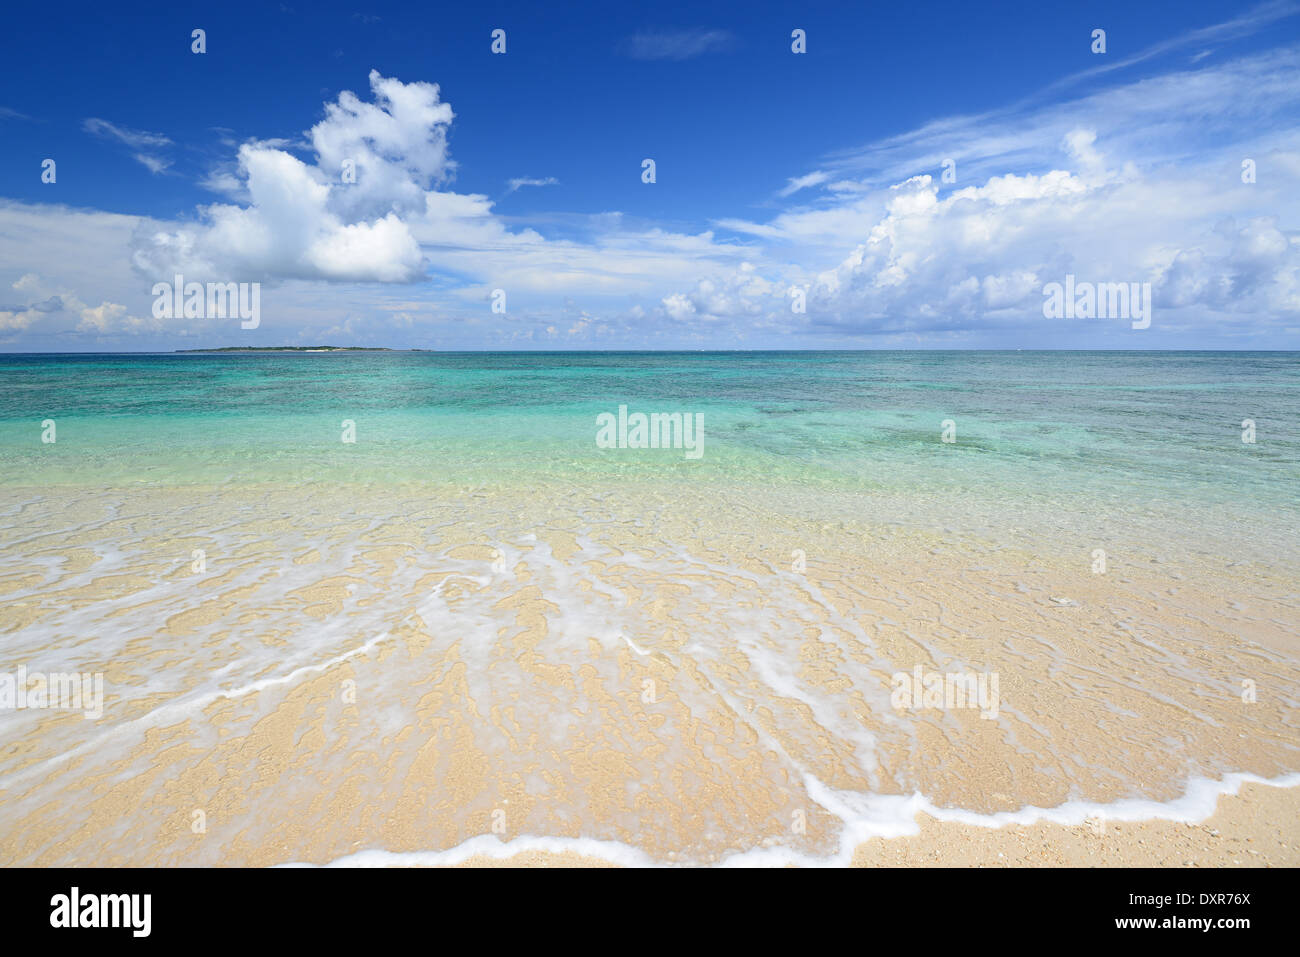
(301, 349)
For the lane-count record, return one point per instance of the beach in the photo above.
(474, 632)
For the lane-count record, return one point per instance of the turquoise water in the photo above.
(1108, 427)
(381, 557)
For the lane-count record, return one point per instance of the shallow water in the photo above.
(498, 591)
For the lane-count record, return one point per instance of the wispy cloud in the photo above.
(1138, 182)
(1024, 134)
(136, 139)
(678, 44)
(1250, 22)
(143, 144)
(1192, 110)
(1136, 178)
(154, 164)
(530, 181)
(796, 183)
(8, 114)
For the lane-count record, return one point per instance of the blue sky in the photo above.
(775, 172)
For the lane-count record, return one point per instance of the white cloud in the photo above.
(796, 183)
(934, 259)
(516, 183)
(1176, 117)
(19, 317)
(54, 305)
(303, 221)
(136, 139)
(144, 145)
(741, 295)
(1139, 182)
(678, 44)
(102, 318)
(343, 218)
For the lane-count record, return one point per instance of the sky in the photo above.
(920, 177)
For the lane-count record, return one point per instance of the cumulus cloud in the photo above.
(51, 304)
(933, 262)
(1135, 183)
(368, 209)
(102, 318)
(22, 316)
(1250, 267)
(345, 217)
(937, 259)
(743, 294)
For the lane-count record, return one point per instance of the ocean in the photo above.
(406, 601)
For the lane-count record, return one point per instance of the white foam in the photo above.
(766, 616)
(489, 845)
(864, 816)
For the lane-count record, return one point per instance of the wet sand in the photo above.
(406, 670)
(1251, 829)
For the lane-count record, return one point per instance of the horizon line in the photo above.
(322, 350)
